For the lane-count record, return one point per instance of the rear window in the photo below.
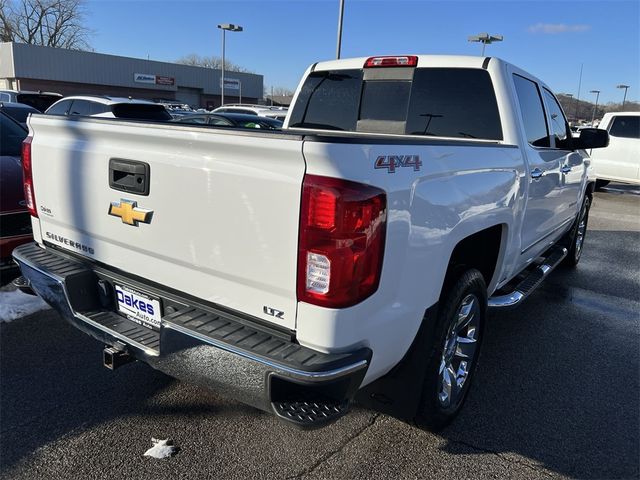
(19, 114)
(39, 101)
(11, 136)
(329, 100)
(133, 111)
(454, 102)
(448, 102)
(625, 126)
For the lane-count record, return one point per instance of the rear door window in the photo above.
(533, 118)
(625, 126)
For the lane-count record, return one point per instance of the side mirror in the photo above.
(591, 138)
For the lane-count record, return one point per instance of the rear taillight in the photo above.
(396, 61)
(27, 177)
(342, 232)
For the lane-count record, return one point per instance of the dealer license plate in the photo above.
(138, 307)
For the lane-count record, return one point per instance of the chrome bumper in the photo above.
(272, 373)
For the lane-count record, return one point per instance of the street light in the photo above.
(626, 87)
(339, 42)
(593, 115)
(232, 28)
(485, 39)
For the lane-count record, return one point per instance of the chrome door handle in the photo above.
(565, 169)
(536, 173)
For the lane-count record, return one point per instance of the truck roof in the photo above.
(468, 61)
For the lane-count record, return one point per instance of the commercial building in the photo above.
(73, 72)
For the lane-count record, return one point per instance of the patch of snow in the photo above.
(161, 448)
(15, 304)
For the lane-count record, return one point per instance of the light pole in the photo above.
(339, 41)
(569, 96)
(593, 115)
(485, 39)
(232, 28)
(626, 87)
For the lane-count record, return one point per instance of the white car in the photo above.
(620, 161)
(279, 113)
(109, 107)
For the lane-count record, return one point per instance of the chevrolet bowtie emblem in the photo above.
(129, 212)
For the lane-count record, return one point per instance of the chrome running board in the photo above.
(530, 282)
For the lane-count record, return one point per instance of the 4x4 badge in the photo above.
(129, 212)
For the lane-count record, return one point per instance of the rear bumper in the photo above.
(200, 343)
(7, 244)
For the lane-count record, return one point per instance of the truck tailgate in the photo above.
(219, 222)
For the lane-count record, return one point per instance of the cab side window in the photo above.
(559, 125)
(60, 108)
(80, 107)
(625, 126)
(533, 117)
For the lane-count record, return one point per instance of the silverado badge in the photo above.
(129, 212)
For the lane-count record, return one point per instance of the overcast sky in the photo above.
(282, 38)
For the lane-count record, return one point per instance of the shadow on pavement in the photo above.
(559, 377)
(47, 388)
(558, 381)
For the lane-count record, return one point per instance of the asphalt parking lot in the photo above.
(557, 395)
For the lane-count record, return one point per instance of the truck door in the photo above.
(619, 161)
(572, 168)
(541, 217)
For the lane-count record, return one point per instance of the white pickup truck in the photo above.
(356, 250)
(620, 161)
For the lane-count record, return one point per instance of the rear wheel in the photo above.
(575, 238)
(452, 352)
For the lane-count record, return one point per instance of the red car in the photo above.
(15, 222)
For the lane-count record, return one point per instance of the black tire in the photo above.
(575, 238)
(601, 183)
(433, 411)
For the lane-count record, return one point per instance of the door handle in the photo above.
(536, 173)
(565, 169)
(129, 176)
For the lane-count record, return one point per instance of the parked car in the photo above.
(238, 120)
(620, 161)
(18, 111)
(279, 113)
(109, 107)
(15, 222)
(360, 246)
(38, 100)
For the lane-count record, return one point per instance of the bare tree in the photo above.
(52, 23)
(210, 62)
(282, 92)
